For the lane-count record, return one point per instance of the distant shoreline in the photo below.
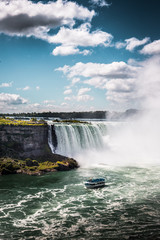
(77, 115)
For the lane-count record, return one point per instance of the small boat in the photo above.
(95, 183)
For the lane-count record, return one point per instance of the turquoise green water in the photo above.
(57, 206)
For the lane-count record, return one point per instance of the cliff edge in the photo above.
(24, 143)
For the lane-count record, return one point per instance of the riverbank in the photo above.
(34, 167)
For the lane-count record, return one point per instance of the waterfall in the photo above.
(50, 139)
(74, 138)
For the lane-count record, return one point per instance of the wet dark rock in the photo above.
(31, 163)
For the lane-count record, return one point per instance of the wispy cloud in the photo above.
(26, 88)
(4, 85)
(75, 80)
(80, 96)
(132, 43)
(67, 98)
(83, 97)
(68, 91)
(48, 101)
(100, 3)
(83, 90)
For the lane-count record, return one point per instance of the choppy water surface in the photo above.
(57, 206)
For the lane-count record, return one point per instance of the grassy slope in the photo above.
(14, 122)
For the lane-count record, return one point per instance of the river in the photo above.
(58, 206)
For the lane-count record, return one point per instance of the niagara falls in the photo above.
(79, 120)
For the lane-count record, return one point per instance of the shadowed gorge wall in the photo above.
(23, 141)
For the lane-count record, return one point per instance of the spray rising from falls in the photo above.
(132, 143)
(107, 143)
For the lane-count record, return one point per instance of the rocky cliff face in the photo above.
(24, 141)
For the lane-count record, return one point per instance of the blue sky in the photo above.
(77, 55)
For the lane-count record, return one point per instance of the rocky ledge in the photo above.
(34, 167)
(24, 149)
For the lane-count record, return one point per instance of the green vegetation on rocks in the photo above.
(15, 122)
(33, 167)
(70, 121)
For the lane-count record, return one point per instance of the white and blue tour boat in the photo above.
(95, 183)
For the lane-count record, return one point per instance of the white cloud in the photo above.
(68, 91)
(118, 79)
(120, 85)
(81, 36)
(97, 81)
(48, 101)
(25, 18)
(75, 80)
(6, 84)
(65, 50)
(84, 97)
(151, 48)
(70, 39)
(109, 71)
(37, 88)
(83, 90)
(120, 45)
(67, 98)
(81, 96)
(100, 3)
(63, 104)
(26, 88)
(36, 105)
(120, 90)
(131, 43)
(11, 99)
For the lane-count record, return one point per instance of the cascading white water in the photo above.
(96, 143)
(50, 140)
(111, 143)
(74, 138)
